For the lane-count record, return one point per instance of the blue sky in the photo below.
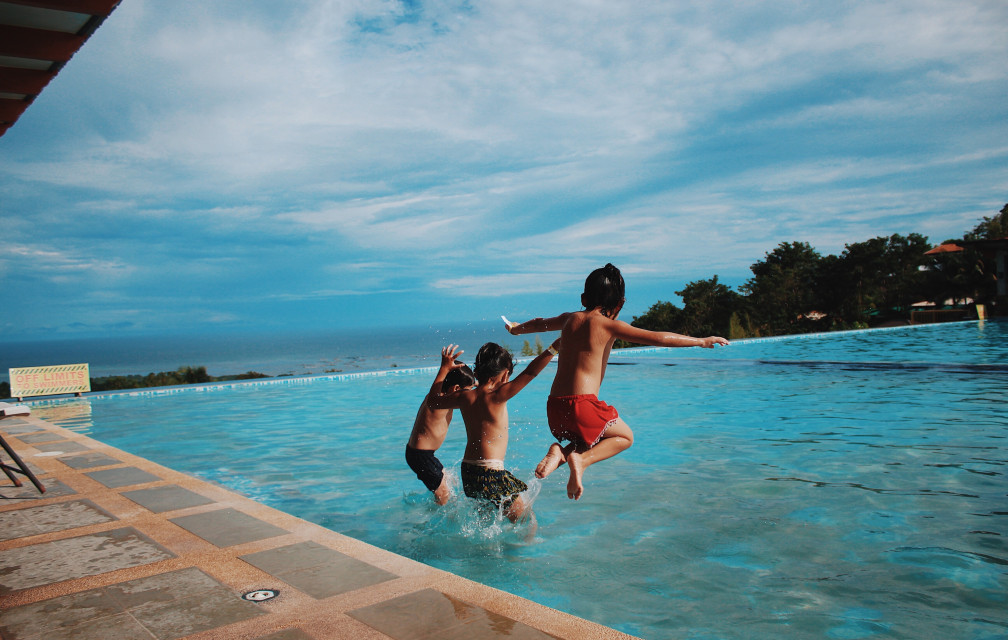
(276, 166)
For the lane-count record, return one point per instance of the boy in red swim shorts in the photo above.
(575, 413)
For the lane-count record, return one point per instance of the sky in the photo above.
(252, 165)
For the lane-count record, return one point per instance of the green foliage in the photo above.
(526, 349)
(794, 289)
(5, 390)
(529, 350)
(708, 307)
(992, 228)
(181, 376)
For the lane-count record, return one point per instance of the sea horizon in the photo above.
(290, 353)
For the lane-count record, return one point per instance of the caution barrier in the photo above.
(49, 381)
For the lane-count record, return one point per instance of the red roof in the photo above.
(37, 38)
(944, 248)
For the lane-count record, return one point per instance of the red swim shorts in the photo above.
(582, 418)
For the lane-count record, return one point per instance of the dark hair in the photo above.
(604, 288)
(463, 377)
(491, 360)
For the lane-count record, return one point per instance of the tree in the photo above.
(708, 307)
(993, 228)
(661, 316)
(882, 274)
(782, 289)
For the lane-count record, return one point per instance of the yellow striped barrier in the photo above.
(49, 381)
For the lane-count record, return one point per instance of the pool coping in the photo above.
(135, 536)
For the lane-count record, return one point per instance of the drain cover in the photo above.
(260, 595)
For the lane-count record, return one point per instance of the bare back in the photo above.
(430, 427)
(585, 342)
(486, 422)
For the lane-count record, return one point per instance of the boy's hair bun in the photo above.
(604, 288)
(491, 360)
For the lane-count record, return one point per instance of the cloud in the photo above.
(235, 152)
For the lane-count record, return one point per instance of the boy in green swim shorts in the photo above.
(595, 430)
(484, 411)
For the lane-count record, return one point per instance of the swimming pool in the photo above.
(839, 486)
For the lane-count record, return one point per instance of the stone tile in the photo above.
(17, 427)
(68, 446)
(167, 605)
(14, 525)
(287, 634)
(42, 436)
(293, 557)
(163, 587)
(122, 477)
(51, 517)
(168, 498)
(121, 626)
(316, 570)
(430, 614)
(90, 460)
(43, 619)
(195, 613)
(54, 489)
(93, 554)
(227, 527)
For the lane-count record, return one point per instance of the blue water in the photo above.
(840, 486)
(296, 353)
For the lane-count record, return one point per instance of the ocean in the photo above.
(296, 353)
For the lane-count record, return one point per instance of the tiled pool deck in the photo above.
(120, 548)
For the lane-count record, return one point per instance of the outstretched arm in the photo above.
(637, 335)
(536, 325)
(534, 368)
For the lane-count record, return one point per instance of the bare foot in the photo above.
(574, 486)
(554, 456)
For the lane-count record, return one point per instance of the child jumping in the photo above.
(430, 427)
(574, 412)
(484, 411)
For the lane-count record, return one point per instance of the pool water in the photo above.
(839, 486)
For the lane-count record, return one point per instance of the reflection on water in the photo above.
(775, 489)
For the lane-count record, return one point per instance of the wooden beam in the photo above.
(26, 81)
(38, 44)
(94, 7)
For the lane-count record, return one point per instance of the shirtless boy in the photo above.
(575, 413)
(484, 411)
(431, 425)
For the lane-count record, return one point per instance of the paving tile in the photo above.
(42, 436)
(93, 554)
(43, 619)
(17, 427)
(294, 557)
(287, 634)
(54, 489)
(227, 527)
(122, 477)
(195, 613)
(167, 498)
(60, 516)
(69, 446)
(316, 570)
(121, 626)
(430, 614)
(90, 460)
(163, 587)
(167, 605)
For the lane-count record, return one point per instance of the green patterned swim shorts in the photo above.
(495, 485)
